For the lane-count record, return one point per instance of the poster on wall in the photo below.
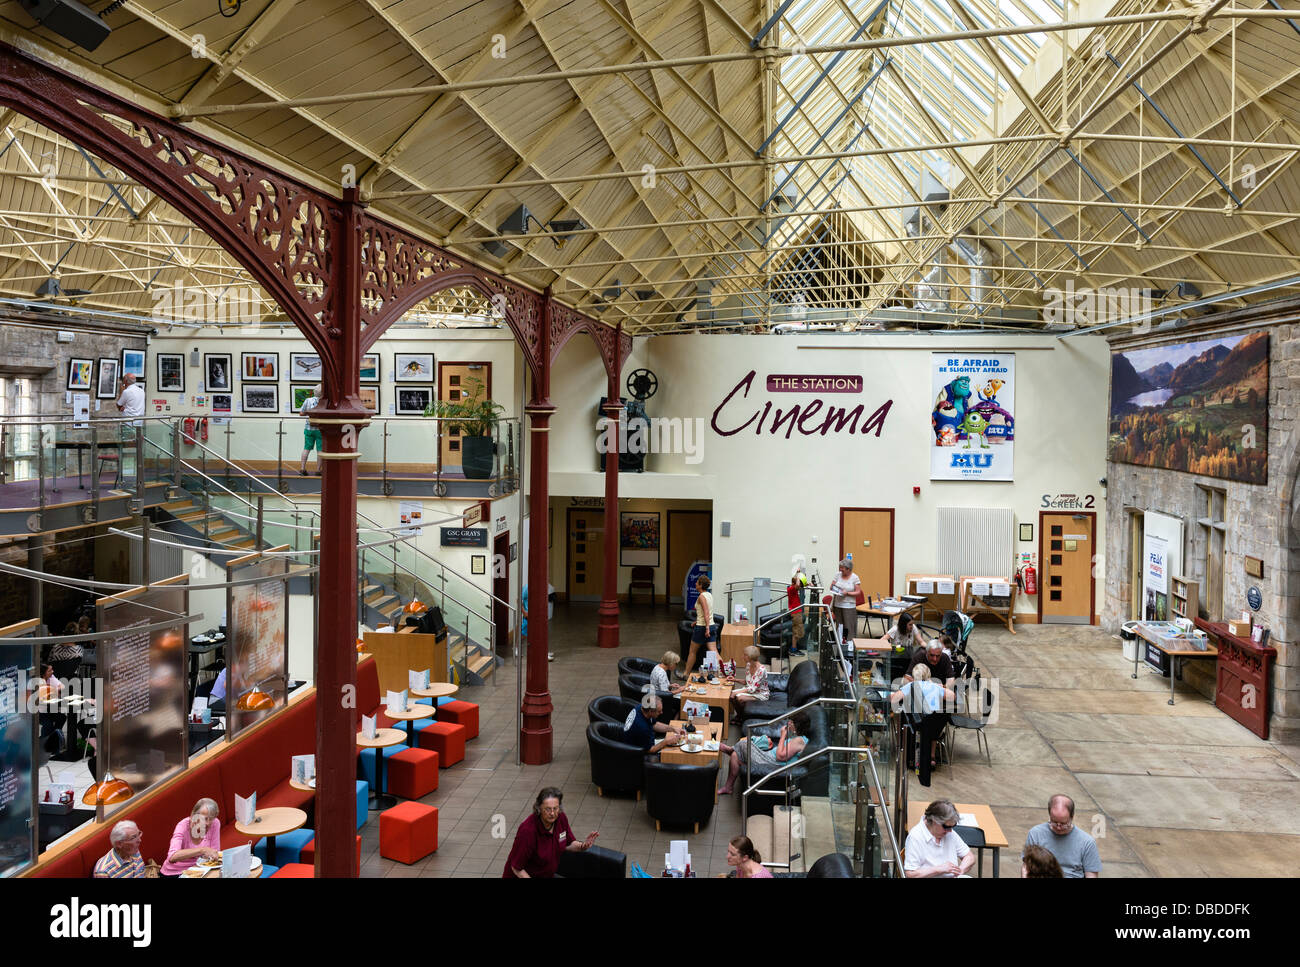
(410, 513)
(1162, 543)
(972, 422)
(638, 539)
(257, 630)
(1199, 407)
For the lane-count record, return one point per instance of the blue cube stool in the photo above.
(268, 869)
(363, 802)
(287, 847)
(367, 759)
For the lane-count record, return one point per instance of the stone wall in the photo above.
(1262, 521)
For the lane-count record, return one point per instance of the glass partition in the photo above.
(18, 752)
(257, 636)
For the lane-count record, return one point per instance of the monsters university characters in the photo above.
(950, 411)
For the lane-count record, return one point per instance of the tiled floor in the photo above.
(1172, 791)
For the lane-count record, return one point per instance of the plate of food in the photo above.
(215, 861)
(194, 872)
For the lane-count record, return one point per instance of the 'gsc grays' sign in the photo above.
(464, 536)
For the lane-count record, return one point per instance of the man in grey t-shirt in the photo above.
(1074, 849)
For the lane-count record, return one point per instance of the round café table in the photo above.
(302, 786)
(413, 712)
(382, 740)
(435, 691)
(273, 821)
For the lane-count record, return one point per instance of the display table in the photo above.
(994, 838)
(974, 604)
(928, 585)
(733, 641)
(1163, 637)
(1242, 678)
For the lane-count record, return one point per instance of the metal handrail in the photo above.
(884, 811)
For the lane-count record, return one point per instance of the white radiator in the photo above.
(976, 541)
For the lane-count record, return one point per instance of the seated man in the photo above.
(1074, 849)
(933, 849)
(640, 728)
(935, 654)
(123, 861)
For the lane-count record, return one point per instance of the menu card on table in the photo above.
(236, 862)
(677, 857)
(245, 809)
(418, 680)
(304, 768)
(397, 701)
(368, 726)
(692, 710)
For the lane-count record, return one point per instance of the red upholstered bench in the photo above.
(308, 853)
(408, 832)
(446, 739)
(460, 713)
(412, 773)
(302, 871)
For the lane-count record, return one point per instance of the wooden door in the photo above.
(455, 381)
(868, 534)
(1135, 566)
(1066, 583)
(586, 553)
(689, 540)
(501, 592)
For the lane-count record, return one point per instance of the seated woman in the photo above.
(904, 634)
(747, 861)
(541, 837)
(755, 688)
(927, 698)
(760, 752)
(193, 839)
(661, 674)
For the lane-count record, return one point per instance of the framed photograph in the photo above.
(221, 403)
(299, 395)
(107, 385)
(261, 399)
(370, 368)
(171, 373)
(304, 366)
(369, 396)
(413, 367)
(478, 564)
(260, 366)
(412, 400)
(216, 373)
(1026, 532)
(638, 538)
(133, 364)
(80, 373)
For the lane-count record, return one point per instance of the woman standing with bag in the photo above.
(703, 632)
(848, 595)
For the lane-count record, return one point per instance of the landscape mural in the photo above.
(1200, 407)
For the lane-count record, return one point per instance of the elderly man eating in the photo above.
(123, 861)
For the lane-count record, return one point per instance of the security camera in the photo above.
(1102, 481)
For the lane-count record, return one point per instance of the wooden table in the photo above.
(733, 641)
(302, 786)
(915, 609)
(994, 838)
(673, 754)
(968, 597)
(1152, 638)
(214, 872)
(273, 821)
(382, 740)
(435, 691)
(715, 696)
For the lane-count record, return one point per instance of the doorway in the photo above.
(1067, 592)
(690, 534)
(868, 534)
(1135, 565)
(585, 553)
(501, 592)
(457, 381)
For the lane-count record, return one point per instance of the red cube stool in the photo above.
(460, 713)
(302, 871)
(408, 832)
(412, 773)
(446, 739)
(308, 853)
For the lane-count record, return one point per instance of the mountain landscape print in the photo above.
(1200, 407)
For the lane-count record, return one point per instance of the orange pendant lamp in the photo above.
(255, 701)
(107, 792)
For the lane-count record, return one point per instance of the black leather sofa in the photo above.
(610, 708)
(799, 687)
(593, 863)
(615, 765)
(639, 666)
(678, 794)
(810, 776)
(684, 634)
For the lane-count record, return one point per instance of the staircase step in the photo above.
(368, 589)
(382, 602)
(223, 533)
(190, 515)
(482, 665)
(458, 655)
(246, 544)
(179, 506)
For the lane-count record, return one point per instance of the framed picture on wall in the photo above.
(370, 368)
(216, 372)
(106, 389)
(299, 395)
(171, 372)
(413, 400)
(221, 403)
(80, 373)
(638, 538)
(133, 364)
(304, 366)
(369, 397)
(260, 366)
(413, 367)
(478, 564)
(261, 399)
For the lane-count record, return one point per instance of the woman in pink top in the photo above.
(194, 839)
(749, 865)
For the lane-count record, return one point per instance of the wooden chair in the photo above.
(643, 576)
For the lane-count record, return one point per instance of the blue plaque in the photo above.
(1254, 599)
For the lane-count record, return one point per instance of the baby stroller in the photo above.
(957, 627)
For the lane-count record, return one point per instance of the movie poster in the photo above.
(972, 422)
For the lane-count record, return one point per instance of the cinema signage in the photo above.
(815, 417)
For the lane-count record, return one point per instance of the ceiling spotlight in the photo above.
(645, 294)
(563, 225)
(613, 292)
(49, 289)
(499, 249)
(516, 222)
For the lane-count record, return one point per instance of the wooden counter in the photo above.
(399, 653)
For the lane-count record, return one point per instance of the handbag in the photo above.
(859, 598)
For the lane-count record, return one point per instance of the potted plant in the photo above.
(474, 417)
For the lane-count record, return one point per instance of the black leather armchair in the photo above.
(593, 863)
(832, 866)
(678, 794)
(640, 666)
(803, 684)
(810, 776)
(615, 765)
(610, 708)
(632, 685)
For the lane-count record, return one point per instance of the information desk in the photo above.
(399, 653)
(1242, 678)
(1165, 638)
(733, 641)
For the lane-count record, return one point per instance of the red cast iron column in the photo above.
(340, 418)
(607, 620)
(535, 732)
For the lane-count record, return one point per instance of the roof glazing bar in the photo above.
(771, 22)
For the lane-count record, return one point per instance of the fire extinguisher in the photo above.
(203, 428)
(187, 431)
(1030, 579)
